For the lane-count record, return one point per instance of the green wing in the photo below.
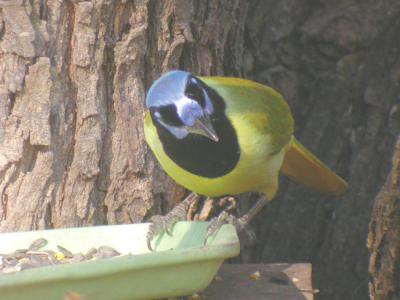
(262, 106)
(269, 113)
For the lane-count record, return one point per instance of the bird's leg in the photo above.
(161, 224)
(240, 224)
(253, 211)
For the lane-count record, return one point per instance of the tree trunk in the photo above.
(384, 237)
(73, 76)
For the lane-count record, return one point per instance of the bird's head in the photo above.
(179, 102)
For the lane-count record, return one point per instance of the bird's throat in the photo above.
(200, 155)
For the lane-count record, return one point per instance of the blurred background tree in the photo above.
(384, 237)
(73, 77)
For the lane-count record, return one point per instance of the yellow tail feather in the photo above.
(303, 167)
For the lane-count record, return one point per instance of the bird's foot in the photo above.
(160, 224)
(240, 223)
(223, 218)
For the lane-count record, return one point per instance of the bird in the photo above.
(219, 136)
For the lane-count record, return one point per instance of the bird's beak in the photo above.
(204, 127)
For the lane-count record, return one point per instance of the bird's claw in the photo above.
(240, 224)
(160, 224)
(223, 218)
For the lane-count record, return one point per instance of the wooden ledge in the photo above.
(261, 281)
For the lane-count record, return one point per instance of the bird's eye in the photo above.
(194, 91)
(169, 115)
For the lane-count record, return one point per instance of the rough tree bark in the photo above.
(384, 237)
(73, 76)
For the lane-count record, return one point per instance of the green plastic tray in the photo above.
(180, 265)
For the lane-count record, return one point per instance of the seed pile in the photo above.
(34, 257)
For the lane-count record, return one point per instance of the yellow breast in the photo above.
(256, 170)
(264, 127)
